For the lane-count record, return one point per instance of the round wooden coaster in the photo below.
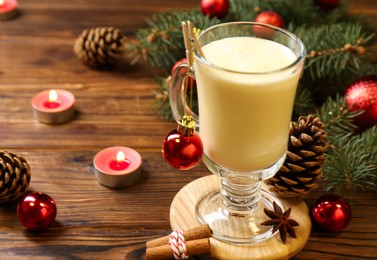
(182, 216)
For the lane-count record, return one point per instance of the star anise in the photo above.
(280, 221)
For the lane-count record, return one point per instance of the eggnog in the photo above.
(246, 91)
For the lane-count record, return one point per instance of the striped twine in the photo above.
(178, 245)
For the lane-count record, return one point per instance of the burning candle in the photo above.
(8, 9)
(53, 101)
(117, 166)
(54, 106)
(120, 163)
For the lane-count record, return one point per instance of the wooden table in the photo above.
(114, 108)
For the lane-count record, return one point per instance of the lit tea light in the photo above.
(8, 9)
(52, 101)
(117, 166)
(120, 163)
(53, 106)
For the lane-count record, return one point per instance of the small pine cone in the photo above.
(14, 176)
(302, 168)
(101, 46)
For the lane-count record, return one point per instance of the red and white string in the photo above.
(178, 244)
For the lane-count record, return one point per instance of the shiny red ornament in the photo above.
(215, 8)
(331, 212)
(36, 211)
(362, 95)
(181, 149)
(327, 5)
(271, 18)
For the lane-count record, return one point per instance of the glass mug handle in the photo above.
(178, 101)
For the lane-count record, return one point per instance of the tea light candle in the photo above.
(8, 9)
(117, 166)
(53, 106)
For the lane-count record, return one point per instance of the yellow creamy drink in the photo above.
(245, 110)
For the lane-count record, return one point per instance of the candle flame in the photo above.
(52, 96)
(120, 156)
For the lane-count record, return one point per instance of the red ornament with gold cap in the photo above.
(182, 148)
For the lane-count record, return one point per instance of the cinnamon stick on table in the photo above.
(198, 232)
(194, 247)
(196, 239)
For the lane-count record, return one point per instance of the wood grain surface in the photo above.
(113, 108)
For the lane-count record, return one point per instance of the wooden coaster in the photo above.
(182, 216)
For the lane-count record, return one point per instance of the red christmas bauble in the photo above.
(362, 95)
(215, 8)
(271, 18)
(36, 211)
(327, 5)
(331, 212)
(182, 152)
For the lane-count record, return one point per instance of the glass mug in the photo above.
(246, 85)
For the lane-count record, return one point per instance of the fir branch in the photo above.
(298, 12)
(294, 12)
(242, 10)
(332, 49)
(304, 103)
(366, 69)
(352, 164)
(161, 44)
(337, 117)
(161, 102)
(351, 159)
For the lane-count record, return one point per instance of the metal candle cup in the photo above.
(53, 111)
(115, 173)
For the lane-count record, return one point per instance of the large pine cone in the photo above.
(101, 46)
(302, 168)
(14, 176)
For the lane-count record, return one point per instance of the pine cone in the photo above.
(302, 168)
(100, 46)
(14, 176)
